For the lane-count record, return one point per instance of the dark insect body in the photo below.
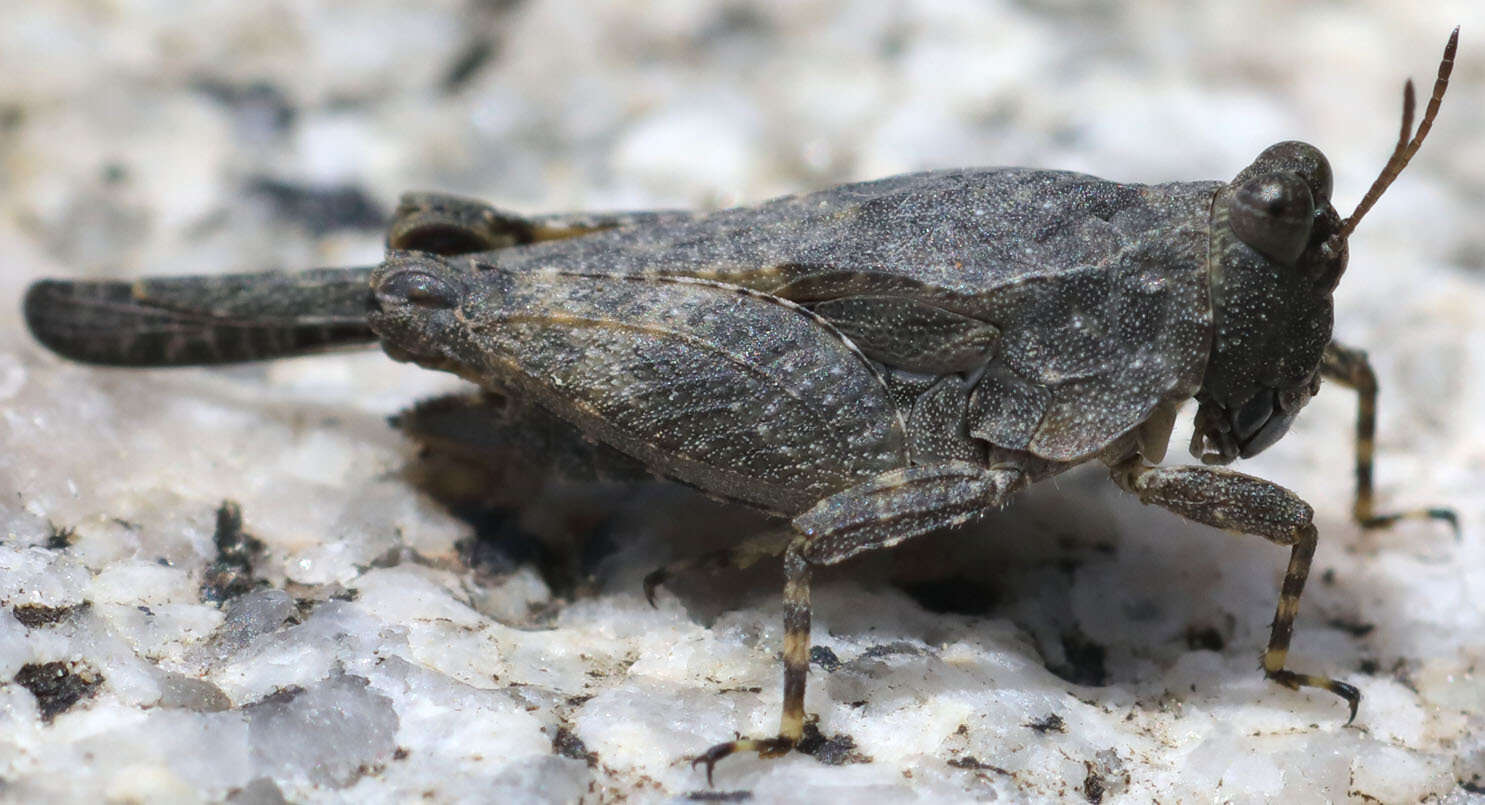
(871, 362)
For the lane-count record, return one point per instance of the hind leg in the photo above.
(453, 225)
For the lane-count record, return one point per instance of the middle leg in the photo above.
(1350, 368)
(880, 513)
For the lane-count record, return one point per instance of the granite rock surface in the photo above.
(230, 584)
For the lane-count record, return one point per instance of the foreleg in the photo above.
(1231, 500)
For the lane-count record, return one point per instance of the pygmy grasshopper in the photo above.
(869, 363)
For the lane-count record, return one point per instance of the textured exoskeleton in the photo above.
(870, 362)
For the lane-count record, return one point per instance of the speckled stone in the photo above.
(1076, 646)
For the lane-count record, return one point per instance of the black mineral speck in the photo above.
(36, 615)
(1093, 785)
(834, 750)
(230, 574)
(57, 686)
(719, 796)
(895, 648)
(283, 695)
(57, 537)
(972, 762)
(824, 657)
(566, 744)
(1052, 723)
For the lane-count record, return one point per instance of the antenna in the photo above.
(1405, 148)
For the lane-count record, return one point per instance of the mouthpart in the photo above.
(1225, 433)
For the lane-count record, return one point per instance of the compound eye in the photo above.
(1273, 213)
(419, 288)
(1302, 159)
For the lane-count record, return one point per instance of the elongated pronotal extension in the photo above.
(192, 321)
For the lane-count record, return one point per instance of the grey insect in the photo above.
(869, 363)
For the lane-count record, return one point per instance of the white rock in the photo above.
(366, 664)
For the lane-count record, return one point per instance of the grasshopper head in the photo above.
(418, 297)
(1278, 248)
(1276, 254)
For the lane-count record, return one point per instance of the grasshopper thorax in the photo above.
(1277, 250)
